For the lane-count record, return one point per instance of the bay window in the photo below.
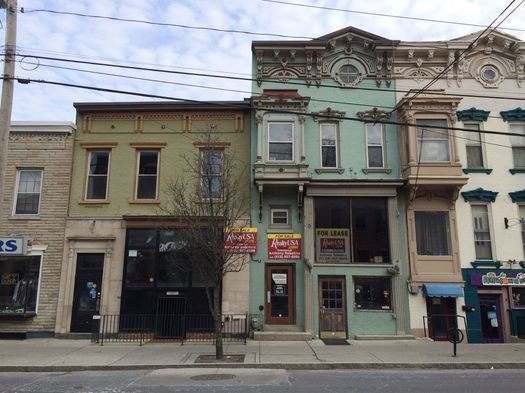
(433, 143)
(280, 141)
(432, 233)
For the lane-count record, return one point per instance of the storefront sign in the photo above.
(11, 245)
(501, 279)
(284, 246)
(332, 245)
(241, 240)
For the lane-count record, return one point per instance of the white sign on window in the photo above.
(11, 245)
(279, 278)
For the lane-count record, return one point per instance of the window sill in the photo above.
(279, 230)
(94, 202)
(487, 171)
(24, 217)
(329, 170)
(373, 310)
(495, 264)
(357, 264)
(144, 202)
(366, 171)
(517, 170)
(12, 315)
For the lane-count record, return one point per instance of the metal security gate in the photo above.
(170, 317)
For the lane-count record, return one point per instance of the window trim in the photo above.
(481, 147)
(490, 231)
(17, 184)
(336, 146)
(357, 309)
(382, 147)
(450, 243)
(522, 146)
(419, 157)
(86, 182)
(273, 225)
(138, 152)
(220, 149)
(292, 141)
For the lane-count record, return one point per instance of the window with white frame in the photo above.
(19, 284)
(522, 222)
(374, 145)
(280, 141)
(474, 147)
(28, 190)
(98, 175)
(328, 145)
(147, 174)
(432, 233)
(433, 143)
(211, 173)
(280, 217)
(518, 144)
(482, 238)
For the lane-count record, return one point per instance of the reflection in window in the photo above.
(482, 241)
(18, 284)
(433, 143)
(372, 293)
(374, 141)
(280, 141)
(28, 192)
(147, 175)
(98, 171)
(518, 297)
(328, 145)
(474, 150)
(211, 173)
(518, 144)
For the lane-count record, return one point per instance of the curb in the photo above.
(283, 366)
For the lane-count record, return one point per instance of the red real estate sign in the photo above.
(284, 246)
(241, 240)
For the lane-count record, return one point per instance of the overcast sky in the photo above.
(197, 51)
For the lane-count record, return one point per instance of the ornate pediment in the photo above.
(517, 196)
(479, 195)
(472, 114)
(517, 114)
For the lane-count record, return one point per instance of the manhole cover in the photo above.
(212, 377)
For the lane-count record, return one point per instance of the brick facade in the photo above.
(47, 147)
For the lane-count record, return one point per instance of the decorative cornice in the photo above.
(479, 195)
(514, 114)
(517, 196)
(328, 114)
(374, 114)
(472, 114)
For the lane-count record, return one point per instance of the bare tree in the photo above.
(210, 197)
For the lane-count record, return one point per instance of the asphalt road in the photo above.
(266, 381)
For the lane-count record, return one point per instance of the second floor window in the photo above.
(374, 145)
(328, 145)
(28, 192)
(482, 242)
(280, 141)
(518, 144)
(211, 173)
(432, 233)
(433, 143)
(147, 174)
(474, 149)
(522, 222)
(98, 174)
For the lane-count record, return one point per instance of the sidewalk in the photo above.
(74, 355)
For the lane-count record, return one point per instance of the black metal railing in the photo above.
(143, 328)
(439, 326)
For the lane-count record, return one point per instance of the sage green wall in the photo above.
(123, 158)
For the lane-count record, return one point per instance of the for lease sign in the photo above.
(333, 245)
(11, 245)
(284, 246)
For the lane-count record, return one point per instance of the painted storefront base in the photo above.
(495, 304)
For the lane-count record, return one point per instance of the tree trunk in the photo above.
(217, 305)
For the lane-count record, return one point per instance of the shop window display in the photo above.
(18, 284)
(372, 293)
(518, 297)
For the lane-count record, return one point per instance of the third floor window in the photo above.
(328, 145)
(147, 174)
(98, 173)
(518, 144)
(280, 141)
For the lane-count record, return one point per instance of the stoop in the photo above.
(380, 337)
(282, 333)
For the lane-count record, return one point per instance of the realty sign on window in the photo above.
(241, 240)
(332, 245)
(284, 246)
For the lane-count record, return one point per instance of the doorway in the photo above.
(491, 322)
(332, 307)
(441, 312)
(86, 297)
(280, 295)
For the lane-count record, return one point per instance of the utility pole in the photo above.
(6, 105)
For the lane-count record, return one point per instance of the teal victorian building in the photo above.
(327, 195)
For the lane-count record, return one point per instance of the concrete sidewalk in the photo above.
(75, 355)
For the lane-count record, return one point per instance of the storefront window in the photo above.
(372, 293)
(174, 267)
(351, 230)
(18, 284)
(517, 297)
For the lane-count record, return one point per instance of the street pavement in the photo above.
(53, 354)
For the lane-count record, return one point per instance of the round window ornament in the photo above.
(489, 74)
(348, 74)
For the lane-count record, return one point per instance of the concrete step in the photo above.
(381, 337)
(282, 328)
(282, 336)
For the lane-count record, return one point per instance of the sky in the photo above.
(190, 50)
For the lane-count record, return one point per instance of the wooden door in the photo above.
(280, 295)
(332, 307)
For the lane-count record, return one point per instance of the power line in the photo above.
(230, 105)
(112, 18)
(374, 89)
(384, 15)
